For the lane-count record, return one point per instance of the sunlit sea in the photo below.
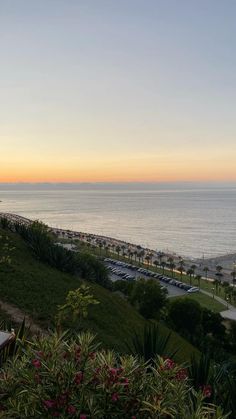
(190, 220)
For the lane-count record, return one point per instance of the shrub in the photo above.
(57, 378)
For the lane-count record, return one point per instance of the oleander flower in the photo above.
(36, 363)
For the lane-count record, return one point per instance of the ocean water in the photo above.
(190, 220)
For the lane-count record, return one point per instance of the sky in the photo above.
(117, 91)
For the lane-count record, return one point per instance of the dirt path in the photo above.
(18, 316)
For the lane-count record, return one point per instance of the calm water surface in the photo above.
(188, 221)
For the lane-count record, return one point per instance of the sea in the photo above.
(194, 220)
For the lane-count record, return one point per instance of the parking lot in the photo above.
(127, 272)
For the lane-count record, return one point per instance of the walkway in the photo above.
(230, 313)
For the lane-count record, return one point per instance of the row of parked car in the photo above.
(169, 280)
(146, 272)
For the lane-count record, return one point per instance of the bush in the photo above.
(56, 378)
(149, 298)
(41, 241)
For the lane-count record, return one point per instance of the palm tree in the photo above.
(142, 253)
(118, 249)
(163, 264)
(217, 284)
(147, 258)
(190, 273)
(135, 254)
(123, 249)
(156, 263)
(139, 255)
(181, 268)
(160, 256)
(172, 267)
(100, 246)
(206, 270)
(193, 267)
(219, 273)
(198, 278)
(233, 274)
(150, 256)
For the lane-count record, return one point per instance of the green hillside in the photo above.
(37, 289)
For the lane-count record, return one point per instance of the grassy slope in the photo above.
(38, 289)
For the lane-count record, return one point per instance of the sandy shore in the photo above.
(228, 261)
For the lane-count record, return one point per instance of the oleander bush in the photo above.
(57, 377)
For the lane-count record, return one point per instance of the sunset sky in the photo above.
(117, 90)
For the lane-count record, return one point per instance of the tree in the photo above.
(163, 264)
(217, 283)
(147, 258)
(190, 273)
(185, 315)
(206, 270)
(160, 256)
(155, 263)
(118, 251)
(212, 323)
(219, 273)
(149, 298)
(233, 274)
(193, 268)
(198, 278)
(181, 268)
(77, 303)
(172, 267)
(123, 249)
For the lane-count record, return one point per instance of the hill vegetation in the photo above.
(38, 289)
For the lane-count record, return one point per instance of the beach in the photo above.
(112, 244)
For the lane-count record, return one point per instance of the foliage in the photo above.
(38, 289)
(218, 380)
(149, 298)
(185, 315)
(151, 342)
(40, 240)
(57, 378)
(77, 303)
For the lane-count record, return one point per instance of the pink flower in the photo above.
(125, 382)
(78, 377)
(115, 397)
(207, 391)
(71, 410)
(83, 416)
(169, 364)
(113, 371)
(133, 417)
(36, 363)
(181, 374)
(49, 404)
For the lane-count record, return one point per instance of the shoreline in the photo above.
(227, 261)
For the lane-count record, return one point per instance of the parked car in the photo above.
(193, 289)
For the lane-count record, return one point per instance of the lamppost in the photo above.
(213, 293)
(227, 299)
